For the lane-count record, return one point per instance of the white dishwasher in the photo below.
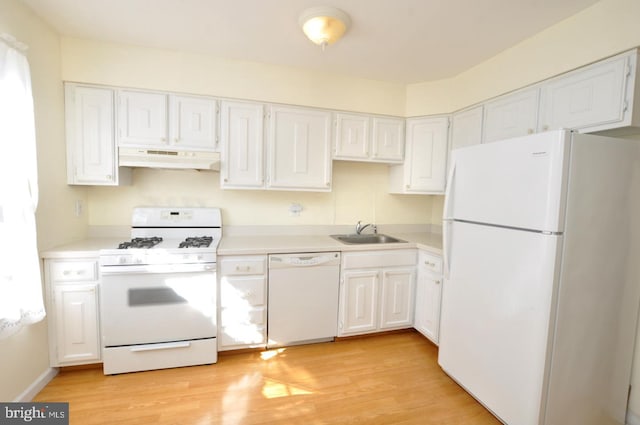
(303, 298)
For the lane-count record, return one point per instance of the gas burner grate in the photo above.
(141, 243)
(196, 242)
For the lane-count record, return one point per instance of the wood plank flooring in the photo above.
(383, 379)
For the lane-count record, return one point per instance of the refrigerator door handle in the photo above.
(447, 218)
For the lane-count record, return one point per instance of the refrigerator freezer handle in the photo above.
(447, 211)
(446, 256)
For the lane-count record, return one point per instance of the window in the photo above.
(20, 279)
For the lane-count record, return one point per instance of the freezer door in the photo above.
(519, 182)
(496, 317)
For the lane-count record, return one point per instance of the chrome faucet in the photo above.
(360, 227)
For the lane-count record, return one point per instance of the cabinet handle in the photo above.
(163, 139)
(243, 268)
(437, 282)
(530, 131)
(328, 184)
(109, 177)
(176, 140)
(430, 264)
(226, 180)
(545, 127)
(66, 272)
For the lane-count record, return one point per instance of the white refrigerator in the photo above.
(540, 298)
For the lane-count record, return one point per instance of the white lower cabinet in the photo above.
(72, 301)
(243, 302)
(428, 295)
(376, 291)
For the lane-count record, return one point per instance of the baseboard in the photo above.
(37, 385)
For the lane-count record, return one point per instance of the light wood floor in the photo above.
(385, 379)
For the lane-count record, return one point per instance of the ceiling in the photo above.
(402, 41)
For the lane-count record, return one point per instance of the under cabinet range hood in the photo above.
(154, 158)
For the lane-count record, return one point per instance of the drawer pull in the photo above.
(243, 268)
(161, 346)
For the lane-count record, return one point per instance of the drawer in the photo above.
(377, 259)
(243, 265)
(242, 315)
(73, 271)
(431, 262)
(239, 291)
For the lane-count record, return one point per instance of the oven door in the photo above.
(151, 304)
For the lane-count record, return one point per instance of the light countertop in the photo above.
(262, 244)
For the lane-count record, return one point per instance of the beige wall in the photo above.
(359, 190)
(25, 355)
(607, 28)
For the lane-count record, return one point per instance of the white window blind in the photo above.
(21, 300)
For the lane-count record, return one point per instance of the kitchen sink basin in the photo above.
(355, 239)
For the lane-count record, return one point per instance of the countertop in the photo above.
(262, 244)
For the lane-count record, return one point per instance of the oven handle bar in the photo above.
(157, 268)
(161, 346)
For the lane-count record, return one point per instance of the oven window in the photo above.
(154, 296)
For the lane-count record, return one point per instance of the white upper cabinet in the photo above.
(512, 115)
(193, 123)
(593, 98)
(299, 149)
(164, 121)
(466, 127)
(368, 138)
(387, 139)
(352, 137)
(143, 119)
(423, 171)
(91, 144)
(242, 145)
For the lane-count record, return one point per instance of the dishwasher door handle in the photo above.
(303, 260)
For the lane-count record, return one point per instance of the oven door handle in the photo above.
(161, 346)
(156, 268)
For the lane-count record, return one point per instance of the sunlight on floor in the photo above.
(275, 389)
(269, 354)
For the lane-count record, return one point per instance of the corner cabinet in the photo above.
(376, 291)
(428, 295)
(90, 134)
(243, 302)
(299, 149)
(424, 168)
(72, 300)
(368, 138)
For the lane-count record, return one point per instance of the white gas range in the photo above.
(158, 291)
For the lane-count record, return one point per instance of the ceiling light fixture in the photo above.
(324, 25)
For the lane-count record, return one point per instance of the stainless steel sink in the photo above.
(356, 239)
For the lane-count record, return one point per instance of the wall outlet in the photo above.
(295, 209)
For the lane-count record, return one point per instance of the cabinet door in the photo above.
(299, 149)
(511, 116)
(76, 322)
(359, 302)
(428, 297)
(397, 298)
(90, 125)
(142, 119)
(466, 128)
(352, 137)
(388, 139)
(590, 97)
(424, 168)
(193, 123)
(242, 137)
